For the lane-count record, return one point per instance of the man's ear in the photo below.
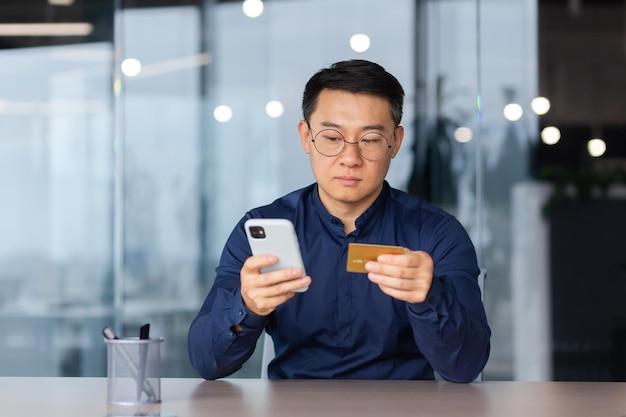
(397, 140)
(303, 130)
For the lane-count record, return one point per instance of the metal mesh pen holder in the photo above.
(133, 370)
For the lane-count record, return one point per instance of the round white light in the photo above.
(550, 135)
(540, 105)
(131, 67)
(274, 109)
(360, 42)
(596, 147)
(223, 113)
(252, 8)
(463, 134)
(513, 112)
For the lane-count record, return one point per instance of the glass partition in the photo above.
(159, 99)
(56, 188)
(475, 57)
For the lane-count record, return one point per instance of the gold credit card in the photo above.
(360, 253)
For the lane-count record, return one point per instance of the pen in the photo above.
(130, 364)
(144, 333)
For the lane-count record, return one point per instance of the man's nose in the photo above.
(351, 150)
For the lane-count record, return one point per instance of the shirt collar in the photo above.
(375, 210)
(368, 215)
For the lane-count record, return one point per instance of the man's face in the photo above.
(348, 183)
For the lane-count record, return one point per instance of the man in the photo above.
(410, 315)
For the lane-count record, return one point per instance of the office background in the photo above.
(132, 143)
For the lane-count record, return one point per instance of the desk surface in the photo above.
(70, 397)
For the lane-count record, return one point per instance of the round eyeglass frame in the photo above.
(313, 137)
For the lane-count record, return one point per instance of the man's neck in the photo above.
(347, 212)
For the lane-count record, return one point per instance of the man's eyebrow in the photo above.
(333, 125)
(374, 127)
(330, 124)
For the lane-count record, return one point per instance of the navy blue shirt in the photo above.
(344, 326)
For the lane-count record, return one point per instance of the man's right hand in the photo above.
(262, 293)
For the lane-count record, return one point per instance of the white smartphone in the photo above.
(275, 237)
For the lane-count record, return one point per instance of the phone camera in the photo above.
(257, 232)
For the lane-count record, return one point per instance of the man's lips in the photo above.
(348, 180)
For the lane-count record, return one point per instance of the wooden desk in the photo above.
(70, 397)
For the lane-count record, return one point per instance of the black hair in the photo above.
(357, 76)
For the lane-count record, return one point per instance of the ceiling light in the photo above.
(596, 147)
(223, 113)
(60, 2)
(274, 108)
(513, 112)
(540, 105)
(252, 8)
(45, 29)
(550, 135)
(131, 67)
(360, 42)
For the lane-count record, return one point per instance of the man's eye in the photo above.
(332, 139)
(370, 141)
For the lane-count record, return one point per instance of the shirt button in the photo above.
(240, 312)
(334, 221)
(431, 299)
(231, 334)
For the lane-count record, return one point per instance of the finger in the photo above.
(252, 273)
(388, 269)
(408, 296)
(407, 259)
(264, 298)
(256, 284)
(400, 284)
(281, 278)
(260, 261)
(280, 284)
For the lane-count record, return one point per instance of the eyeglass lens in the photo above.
(371, 146)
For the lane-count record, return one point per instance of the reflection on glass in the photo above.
(463, 134)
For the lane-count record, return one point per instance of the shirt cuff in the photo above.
(246, 319)
(432, 303)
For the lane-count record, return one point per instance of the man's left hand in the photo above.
(406, 277)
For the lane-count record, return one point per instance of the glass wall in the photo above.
(56, 190)
(474, 58)
(129, 152)
(159, 113)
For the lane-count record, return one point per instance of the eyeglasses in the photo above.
(372, 146)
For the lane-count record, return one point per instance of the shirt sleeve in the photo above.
(216, 348)
(450, 327)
